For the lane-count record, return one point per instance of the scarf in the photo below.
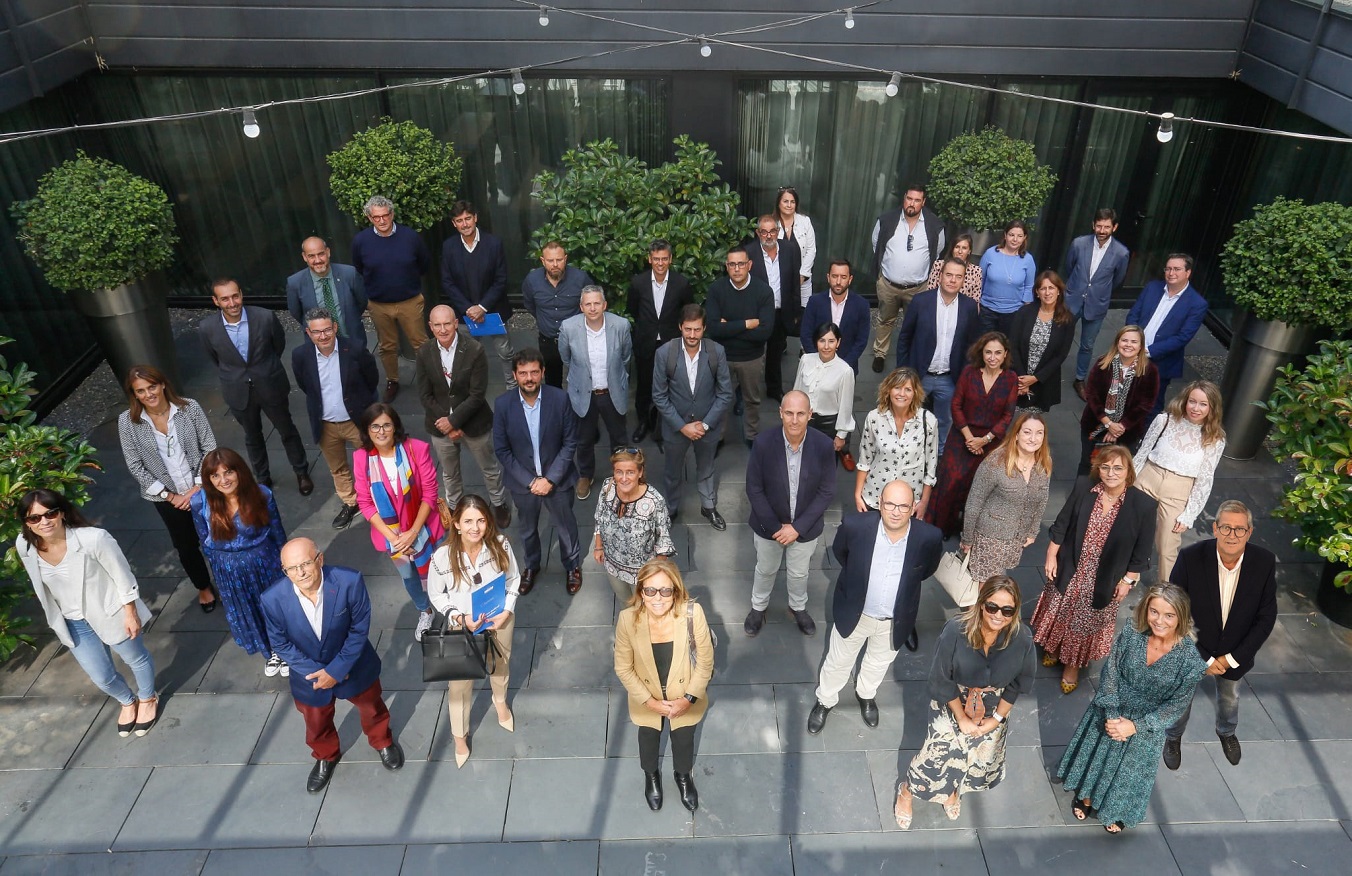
(398, 503)
(1116, 403)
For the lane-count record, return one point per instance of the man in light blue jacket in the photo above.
(596, 347)
(1096, 264)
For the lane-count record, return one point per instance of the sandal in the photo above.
(1082, 809)
(1048, 660)
(1115, 828)
(124, 728)
(953, 810)
(143, 727)
(903, 818)
(1068, 687)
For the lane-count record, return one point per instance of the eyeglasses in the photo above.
(1223, 529)
(658, 591)
(301, 567)
(992, 608)
(1115, 469)
(771, 232)
(895, 506)
(738, 265)
(52, 514)
(376, 217)
(321, 333)
(381, 427)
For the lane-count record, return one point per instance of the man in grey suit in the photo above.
(245, 344)
(596, 347)
(1096, 264)
(337, 288)
(692, 390)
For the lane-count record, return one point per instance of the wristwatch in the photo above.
(705, 425)
(999, 718)
(692, 700)
(165, 494)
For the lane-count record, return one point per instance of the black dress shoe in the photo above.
(392, 756)
(869, 710)
(209, 607)
(304, 484)
(652, 789)
(877, 364)
(344, 516)
(685, 783)
(755, 619)
(265, 482)
(391, 391)
(641, 432)
(1173, 753)
(816, 720)
(912, 641)
(806, 625)
(527, 581)
(320, 774)
(1230, 745)
(502, 515)
(714, 518)
(737, 408)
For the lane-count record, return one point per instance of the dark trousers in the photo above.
(825, 425)
(774, 357)
(682, 749)
(251, 419)
(559, 504)
(995, 322)
(673, 467)
(549, 348)
(602, 409)
(644, 354)
(183, 535)
(322, 736)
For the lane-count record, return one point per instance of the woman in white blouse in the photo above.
(828, 381)
(1176, 464)
(900, 441)
(793, 224)
(474, 554)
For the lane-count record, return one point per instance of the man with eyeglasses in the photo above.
(1233, 588)
(319, 620)
(884, 557)
(391, 259)
(339, 379)
(325, 283)
(776, 262)
(906, 242)
(1171, 313)
(740, 315)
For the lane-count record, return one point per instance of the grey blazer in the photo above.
(263, 371)
(1088, 295)
(108, 584)
(192, 432)
(347, 288)
(573, 351)
(712, 398)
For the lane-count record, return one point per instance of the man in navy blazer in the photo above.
(840, 306)
(326, 284)
(776, 262)
(335, 398)
(1096, 264)
(535, 439)
(656, 298)
(591, 336)
(884, 556)
(474, 277)
(1233, 617)
(938, 328)
(318, 620)
(1170, 311)
(791, 482)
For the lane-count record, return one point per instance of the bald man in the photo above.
(318, 618)
(325, 284)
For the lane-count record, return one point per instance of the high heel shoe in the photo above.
(143, 727)
(510, 724)
(1048, 660)
(953, 809)
(461, 758)
(903, 818)
(124, 728)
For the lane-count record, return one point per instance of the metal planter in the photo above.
(1258, 349)
(131, 323)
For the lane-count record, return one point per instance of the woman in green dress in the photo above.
(1147, 682)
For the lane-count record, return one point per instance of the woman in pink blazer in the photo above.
(397, 494)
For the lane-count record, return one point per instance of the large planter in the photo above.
(1258, 349)
(131, 324)
(1333, 601)
(982, 241)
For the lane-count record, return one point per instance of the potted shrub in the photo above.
(403, 162)
(605, 208)
(1311, 415)
(984, 180)
(1289, 269)
(101, 233)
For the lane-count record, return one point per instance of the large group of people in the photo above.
(956, 449)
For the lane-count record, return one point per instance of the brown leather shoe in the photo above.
(847, 460)
(391, 390)
(502, 515)
(527, 581)
(574, 581)
(1078, 386)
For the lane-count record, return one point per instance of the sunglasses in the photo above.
(658, 591)
(992, 608)
(32, 519)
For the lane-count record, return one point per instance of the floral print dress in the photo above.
(1067, 625)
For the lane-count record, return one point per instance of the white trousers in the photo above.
(878, 656)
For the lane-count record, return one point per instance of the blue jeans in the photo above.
(1089, 332)
(940, 388)
(94, 658)
(1227, 710)
(412, 583)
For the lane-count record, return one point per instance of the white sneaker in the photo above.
(424, 624)
(273, 666)
(285, 671)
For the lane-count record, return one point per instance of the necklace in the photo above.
(1009, 275)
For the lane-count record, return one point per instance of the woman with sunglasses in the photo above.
(632, 524)
(664, 657)
(91, 601)
(793, 224)
(474, 554)
(164, 437)
(985, 658)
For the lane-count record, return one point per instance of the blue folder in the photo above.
(490, 599)
(491, 325)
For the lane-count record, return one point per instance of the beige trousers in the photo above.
(333, 443)
(388, 319)
(461, 696)
(892, 300)
(1171, 491)
(875, 637)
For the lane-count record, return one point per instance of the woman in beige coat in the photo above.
(664, 657)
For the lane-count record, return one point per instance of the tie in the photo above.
(331, 302)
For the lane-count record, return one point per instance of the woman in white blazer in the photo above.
(91, 601)
(793, 224)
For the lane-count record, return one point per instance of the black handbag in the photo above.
(457, 654)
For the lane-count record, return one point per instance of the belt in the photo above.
(938, 373)
(920, 282)
(878, 618)
(600, 392)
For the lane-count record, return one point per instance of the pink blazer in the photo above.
(424, 473)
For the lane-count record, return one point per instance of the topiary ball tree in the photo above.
(985, 180)
(403, 162)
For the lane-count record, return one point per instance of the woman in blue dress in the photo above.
(242, 537)
(1147, 682)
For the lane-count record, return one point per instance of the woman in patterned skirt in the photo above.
(1112, 760)
(984, 660)
(1100, 546)
(632, 525)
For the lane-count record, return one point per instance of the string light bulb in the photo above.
(704, 48)
(544, 16)
(518, 84)
(849, 19)
(251, 128)
(1166, 131)
(893, 85)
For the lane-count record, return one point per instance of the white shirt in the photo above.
(884, 575)
(181, 475)
(1176, 446)
(596, 355)
(838, 310)
(1229, 581)
(692, 366)
(830, 389)
(447, 598)
(331, 387)
(772, 273)
(448, 358)
(900, 266)
(313, 611)
(469, 247)
(659, 293)
(67, 593)
(1161, 311)
(1096, 256)
(946, 326)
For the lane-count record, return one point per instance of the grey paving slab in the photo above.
(955, 852)
(214, 807)
(1196, 791)
(193, 729)
(574, 657)
(48, 811)
(1059, 714)
(902, 710)
(422, 803)
(18, 673)
(227, 669)
(767, 794)
(779, 655)
(401, 658)
(1308, 706)
(177, 664)
(1277, 781)
(549, 604)
(1254, 721)
(1023, 799)
(1259, 849)
(185, 863)
(575, 858)
(593, 798)
(1297, 584)
(41, 733)
(1326, 645)
(1074, 851)
(180, 613)
(390, 606)
(549, 723)
(367, 860)
(1281, 654)
(413, 720)
(745, 856)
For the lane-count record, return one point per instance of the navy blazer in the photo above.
(357, 370)
(790, 280)
(919, 333)
(767, 484)
(558, 440)
(1090, 296)
(491, 263)
(263, 372)
(855, 325)
(1179, 326)
(345, 650)
(1253, 612)
(853, 547)
(347, 288)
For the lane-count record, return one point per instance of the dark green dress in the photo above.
(1117, 777)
